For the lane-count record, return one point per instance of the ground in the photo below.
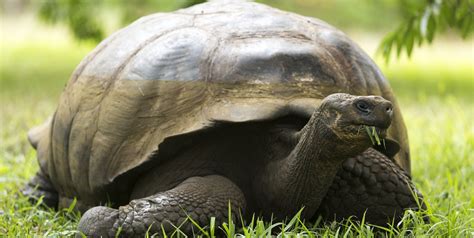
(434, 91)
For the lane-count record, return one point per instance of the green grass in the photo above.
(437, 105)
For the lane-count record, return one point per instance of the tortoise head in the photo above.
(349, 117)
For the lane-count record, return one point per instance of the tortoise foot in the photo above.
(371, 186)
(98, 222)
(197, 198)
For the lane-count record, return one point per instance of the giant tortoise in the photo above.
(227, 103)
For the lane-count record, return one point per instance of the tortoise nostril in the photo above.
(388, 109)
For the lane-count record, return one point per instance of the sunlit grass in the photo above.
(437, 105)
(38, 70)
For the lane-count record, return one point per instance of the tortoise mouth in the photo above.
(379, 131)
(375, 134)
(368, 131)
(362, 130)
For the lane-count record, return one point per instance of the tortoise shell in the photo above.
(168, 74)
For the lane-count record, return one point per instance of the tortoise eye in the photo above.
(363, 106)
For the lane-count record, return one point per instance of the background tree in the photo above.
(424, 19)
(420, 21)
(83, 17)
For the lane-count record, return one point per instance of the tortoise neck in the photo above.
(304, 176)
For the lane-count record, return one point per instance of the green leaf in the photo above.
(431, 28)
(162, 231)
(467, 27)
(212, 227)
(418, 37)
(461, 11)
(424, 21)
(71, 206)
(447, 13)
(293, 221)
(260, 228)
(385, 47)
(229, 228)
(195, 224)
(400, 40)
(410, 38)
(119, 230)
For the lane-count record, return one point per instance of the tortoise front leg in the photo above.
(373, 186)
(197, 197)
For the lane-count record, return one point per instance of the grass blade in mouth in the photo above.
(370, 135)
(374, 136)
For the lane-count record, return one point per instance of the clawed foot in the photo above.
(370, 186)
(198, 198)
(98, 222)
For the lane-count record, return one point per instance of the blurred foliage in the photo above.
(368, 15)
(420, 20)
(81, 18)
(424, 19)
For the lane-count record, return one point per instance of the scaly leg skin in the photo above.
(40, 186)
(198, 197)
(372, 184)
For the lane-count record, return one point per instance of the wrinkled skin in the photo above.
(289, 169)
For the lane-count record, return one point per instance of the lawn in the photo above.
(433, 91)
